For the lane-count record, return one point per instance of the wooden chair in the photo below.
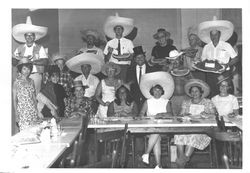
(230, 143)
(115, 149)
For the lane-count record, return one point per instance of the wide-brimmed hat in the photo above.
(19, 30)
(24, 61)
(75, 63)
(57, 56)
(224, 76)
(111, 65)
(164, 79)
(197, 82)
(173, 54)
(138, 51)
(161, 30)
(112, 21)
(87, 32)
(53, 69)
(225, 27)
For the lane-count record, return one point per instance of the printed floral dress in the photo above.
(73, 105)
(26, 107)
(199, 141)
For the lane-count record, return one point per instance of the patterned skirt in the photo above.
(199, 141)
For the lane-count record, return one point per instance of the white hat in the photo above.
(225, 27)
(173, 54)
(197, 82)
(149, 80)
(112, 21)
(75, 63)
(19, 30)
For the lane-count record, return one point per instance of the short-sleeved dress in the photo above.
(26, 108)
(121, 109)
(199, 141)
(156, 106)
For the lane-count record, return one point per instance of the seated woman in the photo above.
(157, 87)
(195, 107)
(51, 98)
(123, 105)
(226, 104)
(78, 105)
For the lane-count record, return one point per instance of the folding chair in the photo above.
(115, 149)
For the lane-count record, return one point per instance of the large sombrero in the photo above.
(197, 82)
(111, 65)
(225, 27)
(75, 63)
(164, 79)
(19, 30)
(112, 21)
(87, 32)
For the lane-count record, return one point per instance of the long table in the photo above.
(45, 154)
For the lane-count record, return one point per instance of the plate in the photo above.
(211, 71)
(126, 55)
(180, 72)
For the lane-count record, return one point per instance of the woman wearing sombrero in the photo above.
(217, 51)
(157, 87)
(28, 33)
(195, 107)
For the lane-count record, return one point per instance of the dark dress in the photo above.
(160, 53)
(60, 96)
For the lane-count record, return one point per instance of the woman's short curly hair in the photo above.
(28, 65)
(158, 87)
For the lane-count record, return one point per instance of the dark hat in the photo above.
(138, 50)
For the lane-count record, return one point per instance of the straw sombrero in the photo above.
(225, 27)
(173, 54)
(75, 63)
(111, 65)
(87, 32)
(112, 21)
(164, 79)
(197, 82)
(19, 30)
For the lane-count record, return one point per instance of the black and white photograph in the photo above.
(131, 88)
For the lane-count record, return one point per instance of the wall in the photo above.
(71, 21)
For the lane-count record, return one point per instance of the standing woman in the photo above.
(105, 91)
(157, 87)
(25, 103)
